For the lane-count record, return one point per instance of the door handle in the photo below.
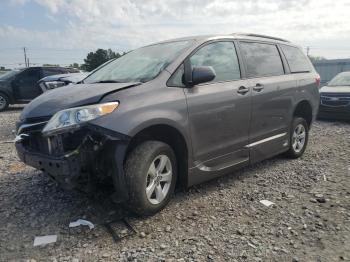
(258, 87)
(242, 90)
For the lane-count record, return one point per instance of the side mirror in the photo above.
(202, 74)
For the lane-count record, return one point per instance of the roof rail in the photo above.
(262, 36)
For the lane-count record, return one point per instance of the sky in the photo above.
(64, 31)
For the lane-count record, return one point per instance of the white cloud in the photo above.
(122, 25)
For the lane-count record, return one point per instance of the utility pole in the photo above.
(307, 50)
(25, 57)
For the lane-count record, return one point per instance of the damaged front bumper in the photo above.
(78, 158)
(64, 169)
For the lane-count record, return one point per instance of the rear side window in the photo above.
(222, 57)
(262, 59)
(296, 59)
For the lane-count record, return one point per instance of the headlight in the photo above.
(54, 84)
(72, 118)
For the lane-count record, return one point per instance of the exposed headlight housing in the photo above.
(73, 118)
(54, 84)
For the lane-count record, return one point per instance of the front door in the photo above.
(219, 111)
(272, 99)
(25, 85)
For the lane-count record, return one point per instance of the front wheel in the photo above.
(151, 172)
(299, 136)
(4, 102)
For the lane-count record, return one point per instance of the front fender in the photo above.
(142, 107)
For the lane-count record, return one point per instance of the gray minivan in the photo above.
(173, 114)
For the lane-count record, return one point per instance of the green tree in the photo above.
(75, 65)
(97, 58)
(48, 65)
(316, 58)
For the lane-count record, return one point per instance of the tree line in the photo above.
(97, 58)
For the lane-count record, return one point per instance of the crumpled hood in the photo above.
(335, 89)
(65, 97)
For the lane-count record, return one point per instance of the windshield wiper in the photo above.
(106, 81)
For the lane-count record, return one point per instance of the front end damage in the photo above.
(76, 159)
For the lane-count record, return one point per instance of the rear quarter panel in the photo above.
(308, 90)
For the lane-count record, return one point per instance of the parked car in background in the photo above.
(21, 85)
(173, 114)
(335, 98)
(55, 81)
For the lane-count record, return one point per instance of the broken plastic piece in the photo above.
(81, 222)
(266, 202)
(44, 240)
(115, 235)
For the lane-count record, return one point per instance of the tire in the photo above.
(4, 102)
(299, 136)
(151, 167)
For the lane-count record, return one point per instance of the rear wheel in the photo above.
(299, 136)
(4, 102)
(151, 173)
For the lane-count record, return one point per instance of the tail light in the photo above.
(318, 81)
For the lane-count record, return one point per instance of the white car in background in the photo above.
(55, 81)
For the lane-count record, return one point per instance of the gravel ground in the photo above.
(221, 220)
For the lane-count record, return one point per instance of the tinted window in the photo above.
(52, 71)
(222, 57)
(29, 75)
(262, 59)
(296, 59)
(10, 74)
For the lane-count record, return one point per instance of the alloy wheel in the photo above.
(159, 178)
(298, 139)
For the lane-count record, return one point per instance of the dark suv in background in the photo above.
(175, 113)
(21, 85)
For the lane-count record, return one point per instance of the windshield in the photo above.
(140, 65)
(340, 80)
(10, 74)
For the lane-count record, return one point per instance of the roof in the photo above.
(247, 36)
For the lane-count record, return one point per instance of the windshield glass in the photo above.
(140, 65)
(9, 74)
(340, 80)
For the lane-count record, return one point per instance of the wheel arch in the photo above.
(304, 109)
(9, 96)
(173, 137)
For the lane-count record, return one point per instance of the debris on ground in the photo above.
(44, 240)
(266, 202)
(81, 222)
